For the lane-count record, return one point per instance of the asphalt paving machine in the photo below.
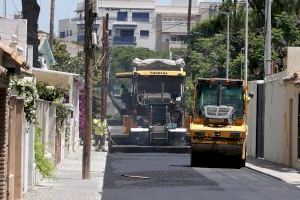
(154, 114)
(219, 128)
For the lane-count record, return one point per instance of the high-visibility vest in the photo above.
(99, 127)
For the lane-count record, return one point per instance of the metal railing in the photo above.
(124, 40)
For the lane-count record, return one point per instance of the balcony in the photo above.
(126, 40)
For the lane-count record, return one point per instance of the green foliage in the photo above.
(189, 91)
(61, 114)
(207, 42)
(44, 165)
(50, 93)
(64, 61)
(208, 57)
(25, 88)
(284, 33)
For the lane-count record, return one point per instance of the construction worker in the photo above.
(100, 131)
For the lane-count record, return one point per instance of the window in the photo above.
(140, 17)
(62, 35)
(109, 32)
(70, 32)
(80, 38)
(67, 33)
(144, 33)
(122, 16)
(173, 38)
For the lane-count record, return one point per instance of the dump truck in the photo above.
(154, 113)
(218, 129)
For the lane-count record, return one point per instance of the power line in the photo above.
(15, 6)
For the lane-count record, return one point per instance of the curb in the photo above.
(262, 172)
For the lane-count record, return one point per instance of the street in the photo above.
(169, 176)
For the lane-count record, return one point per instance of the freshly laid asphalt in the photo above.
(155, 176)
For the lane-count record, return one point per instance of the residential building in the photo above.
(68, 30)
(138, 23)
(131, 23)
(171, 22)
(171, 25)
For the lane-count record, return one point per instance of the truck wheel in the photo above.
(194, 159)
(243, 163)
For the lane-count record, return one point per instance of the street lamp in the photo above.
(246, 43)
(228, 43)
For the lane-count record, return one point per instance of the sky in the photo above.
(64, 9)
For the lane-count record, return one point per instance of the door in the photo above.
(260, 120)
(290, 147)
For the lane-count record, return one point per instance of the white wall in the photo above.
(251, 119)
(18, 27)
(67, 24)
(275, 120)
(278, 139)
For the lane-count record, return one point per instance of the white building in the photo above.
(171, 21)
(131, 23)
(138, 23)
(14, 31)
(68, 30)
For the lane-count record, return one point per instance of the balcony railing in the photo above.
(125, 40)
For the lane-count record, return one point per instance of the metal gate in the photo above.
(260, 120)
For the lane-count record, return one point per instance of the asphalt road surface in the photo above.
(160, 176)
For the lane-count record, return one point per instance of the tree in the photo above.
(206, 51)
(64, 61)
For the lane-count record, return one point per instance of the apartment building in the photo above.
(138, 23)
(131, 23)
(171, 21)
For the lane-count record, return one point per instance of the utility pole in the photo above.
(246, 42)
(104, 67)
(228, 50)
(268, 38)
(4, 8)
(89, 60)
(189, 17)
(52, 23)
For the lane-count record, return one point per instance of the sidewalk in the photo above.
(286, 174)
(67, 183)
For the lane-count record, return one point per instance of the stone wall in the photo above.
(3, 142)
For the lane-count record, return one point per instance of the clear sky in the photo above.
(64, 9)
